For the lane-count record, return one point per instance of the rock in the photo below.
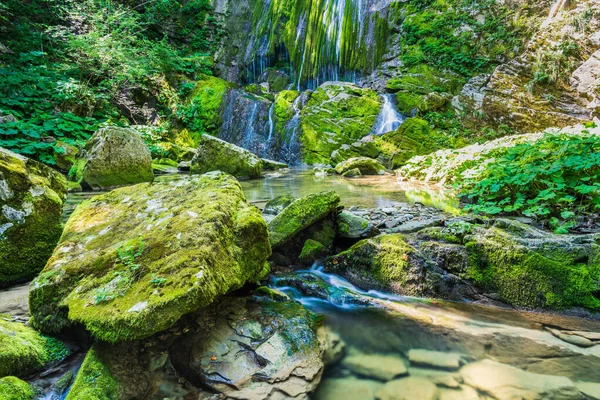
(133, 261)
(165, 168)
(184, 166)
(65, 155)
(366, 166)
(573, 339)
(31, 200)
(217, 155)
(352, 173)
(439, 377)
(504, 382)
(278, 204)
(435, 359)
(94, 379)
(462, 393)
(337, 113)
(313, 251)
(270, 165)
(12, 388)
(24, 351)
(590, 389)
(113, 157)
(349, 388)
(248, 350)
(335, 348)
(301, 214)
(375, 366)
(277, 80)
(410, 388)
(351, 226)
(415, 225)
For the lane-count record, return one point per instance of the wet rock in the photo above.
(351, 226)
(277, 80)
(184, 166)
(435, 359)
(133, 261)
(461, 393)
(590, 389)
(214, 154)
(65, 155)
(113, 157)
(277, 205)
(573, 339)
(349, 388)
(24, 351)
(505, 382)
(352, 173)
(12, 388)
(408, 389)
(271, 165)
(313, 251)
(301, 214)
(375, 366)
(31, 200)
(366, 166)
(414, 137)
(439, 377)
(335, 348)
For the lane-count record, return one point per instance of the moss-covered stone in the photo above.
(277, 80)
(534, 269)
(336, 114)
(271, 165)
(352, 173)
(313, 251)
(94, 380)
(352, 226)
(366, 166)
(65, 155)
(24, 351)
(31, 200)
(278, 204)
(284, 109)
(133, 261)
(413, 137)
(301, 214)
(206, 100)
(214, 154)
(113, 157)
(12, 388)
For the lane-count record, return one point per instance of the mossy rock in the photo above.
(277, 80)
(24, 351)
(313, 251)
(530, 268)
(336, 114)
(352, 226)
(12, 388)
(272, 165)
(352, 173)
(207, 98)
(414, 137)
(301, 214)
(278, 204)
(133, 261)
(65, 155)
(113, 157)
(284, 109)
(366, 166)
(214, 154)
(31, 200)
(94, 380)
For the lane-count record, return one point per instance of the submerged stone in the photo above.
(133, 261)
(113, 157)
(366, 166)
(380, 367)
(214, 154)
(31, 200)
(301, 214)
(410, 388)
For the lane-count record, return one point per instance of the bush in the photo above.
(556, 177)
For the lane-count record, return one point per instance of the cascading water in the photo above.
(249, 138)
(291, 150)
(389, 119)
(271, 123)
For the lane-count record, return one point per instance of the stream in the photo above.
(385, 329)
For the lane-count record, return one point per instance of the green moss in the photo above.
(409, 103)
(218, 155)
(413, 137)
(301, 214)
(94, 380)
(366, 166)
(204, 103)
(24, 351)
(198, 237)
(284, 109)
(12, 388)
(312, 251)
(549, 277)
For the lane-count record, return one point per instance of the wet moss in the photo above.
(218, 155)
(94, 380)
(414, 137)
(12, 388)
(365, 165)
(205, 101)
(284, 109)
(312, 251)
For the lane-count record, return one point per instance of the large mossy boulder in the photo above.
(414, 137)
(366, 166)
(301, 214)
(133, 261)
(336, 114)
(24, 351)
(214, 154)
(113, 157)
(12, 388)
(31, 201)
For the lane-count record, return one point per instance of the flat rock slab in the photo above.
(349, 388)
(435, 359)
(380, 367)
(411, 388)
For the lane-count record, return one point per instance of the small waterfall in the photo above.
(291, 150)
(389, 118)
(271, 123)
(249, 138)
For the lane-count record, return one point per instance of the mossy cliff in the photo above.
(133, 261)
(31, 201)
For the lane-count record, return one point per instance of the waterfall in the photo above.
(249, 139)
(292, 146)
(389, 118)
(271, 124)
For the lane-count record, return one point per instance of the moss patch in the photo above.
(12, 388)
(366, 166)
(94, 380)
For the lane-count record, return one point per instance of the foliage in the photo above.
(556, 177)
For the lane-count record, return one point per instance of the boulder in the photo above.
(435, 359)
(133, 261)
(351, 226)
(410, 388)
(376, 366)
(278, 204)
(353, 173)
(24, 351)
(590, 389)
(12, 388)
(349, 388)
(313, 251)
(214, 154)
(414, 137)
(113, 157)
(65, 155)
(31, 201)
(94, 379)
(366, 166)
(271, 165)
(301, 214)
(504, 382)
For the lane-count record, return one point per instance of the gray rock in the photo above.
(375, 366)
(349, 388)
(435, 359)
(351, 226)
(278, 204)
(410, 388)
